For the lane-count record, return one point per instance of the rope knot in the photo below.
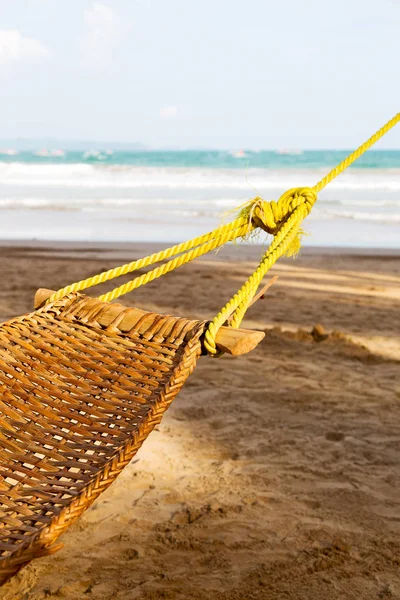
(270, 216)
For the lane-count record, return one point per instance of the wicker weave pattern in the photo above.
(77, 400)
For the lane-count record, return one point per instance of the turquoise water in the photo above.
(236, 159)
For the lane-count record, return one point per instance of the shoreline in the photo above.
(246, 248)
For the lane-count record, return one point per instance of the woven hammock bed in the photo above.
(82, 384)
(83, 381)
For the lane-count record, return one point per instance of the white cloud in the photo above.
(15, 47)
(168, 111)
(104, 31)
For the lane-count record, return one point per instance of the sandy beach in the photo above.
(275, 475)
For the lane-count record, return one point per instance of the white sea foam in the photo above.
(119, 202)
(98, 176)
(376, 217)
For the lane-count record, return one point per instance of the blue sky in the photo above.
(209, 73)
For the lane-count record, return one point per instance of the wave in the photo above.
(217, 208)
(85, 176)
(188, 193)
(143, 206)
(235, 158)
(217, 203)
(376, 217)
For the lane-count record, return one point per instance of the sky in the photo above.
(201, 73)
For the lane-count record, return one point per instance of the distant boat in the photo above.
(43, 152)
(96, 154)
(289, 151)
(9, 152)
(238, 154)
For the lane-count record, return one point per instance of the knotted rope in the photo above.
(269, 216)
(281, 219)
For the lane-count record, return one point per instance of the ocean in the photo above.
(169, 196)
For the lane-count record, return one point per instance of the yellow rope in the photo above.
(220, 232)
(356, 154)
(282, 219)
(238, 228)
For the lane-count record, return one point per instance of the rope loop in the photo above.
(270, 216)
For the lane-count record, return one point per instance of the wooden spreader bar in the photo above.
(229, 340)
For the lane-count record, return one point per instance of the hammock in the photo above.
(83, 382)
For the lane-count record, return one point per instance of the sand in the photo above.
(274, 475)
